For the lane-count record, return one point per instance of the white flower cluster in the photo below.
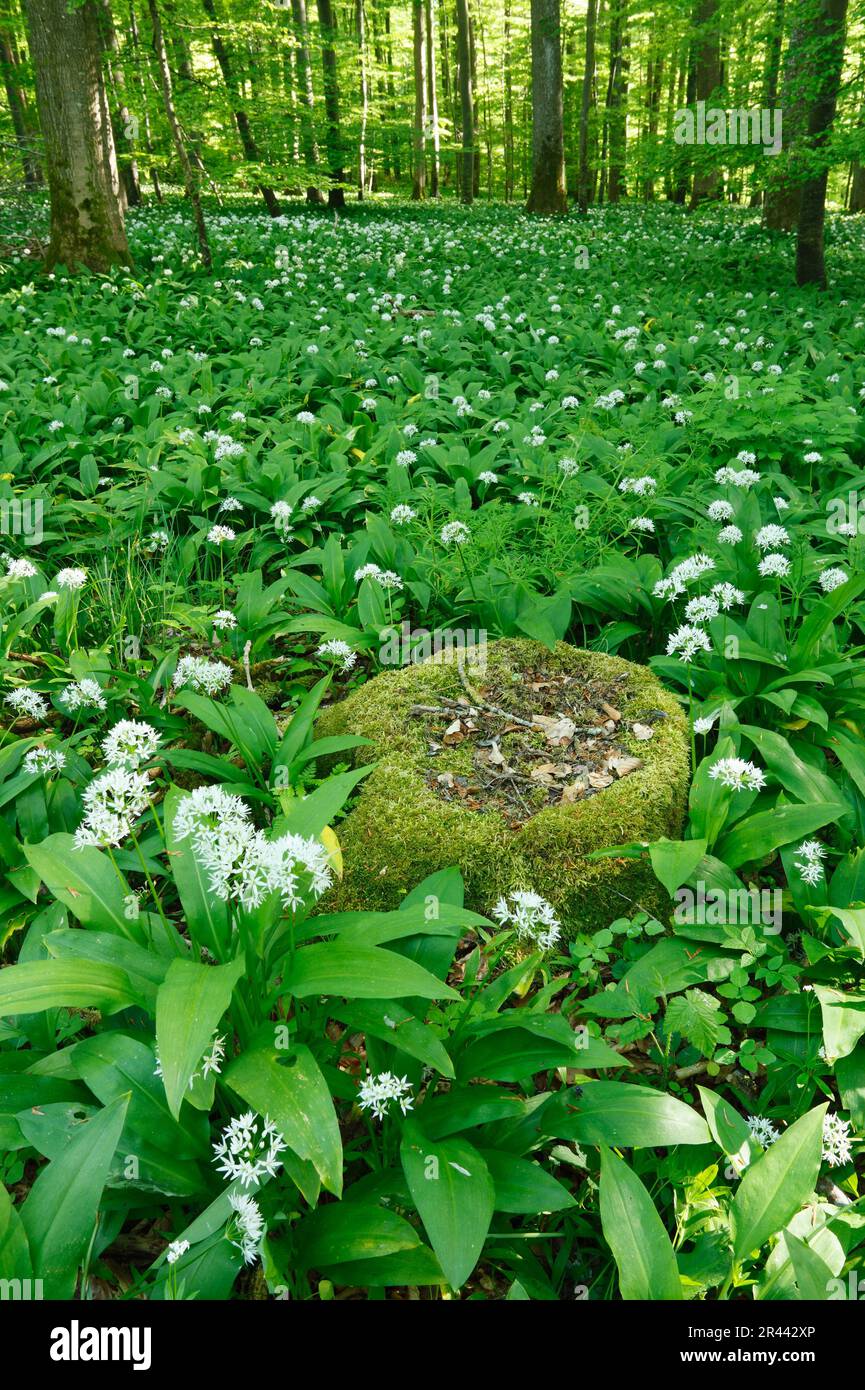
(686, 641)
(339, 651)
(130, 743)
(249, 1149)
(200, 674)
(282, 512)
(27, 701)
(809, 861)
(113, 801)
(44, 761)
(836, 1141)
(738, 774)
(388, 579)
(455, 533)
(683, 574)
(247, 1227)
(83, 694)
(762, 1130)
(241, 863)
(377, 1092)
(531, 915)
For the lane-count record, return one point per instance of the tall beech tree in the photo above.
(251, 152)
(467, 105)
(548, 194)
(827, 38)
(327, 24)
(87, 225)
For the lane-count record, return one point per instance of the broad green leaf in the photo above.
(206, 915)
(729, 1129)
(674, 861)
(14, 1250)
(813, 1276)
(759, 834)
(189, 1006)
(522, 1186)
(778, 1184)
(635, 1233)
(60, 1213)
(359, 972)
(624, 1115)
(843, 1014)
(71, 984)
(452, 1189)
(343, 1231)
(289, 1087)
(86, 882)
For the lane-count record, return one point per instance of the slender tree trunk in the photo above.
(617, 90)
(509, 107)
(583, 182)
(360, 20)
(190, 181)
(123, 123)
(251, 152)
(707, 46)
(548, 194)
(306, 94)
(466, 158)
(25, 136)
(683, 158)
(432, 97)
(784, 185)
(391, 92)
(829, 31)
(327, 24)
(83, 179)
(418, 189)
(476, 111)
(142, 86)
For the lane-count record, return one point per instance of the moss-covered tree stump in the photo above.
(445, 791)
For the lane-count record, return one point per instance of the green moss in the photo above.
(400, 831)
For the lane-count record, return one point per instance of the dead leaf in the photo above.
(610, 711)
(624, 766)
(559, 730)
(454, 733)
(572, 792)
(600, 780)
(642, 732)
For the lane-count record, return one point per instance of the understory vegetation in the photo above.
(232, 497)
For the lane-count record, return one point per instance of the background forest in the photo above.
(436, 99)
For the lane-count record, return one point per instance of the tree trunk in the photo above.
(583, 181)
(360, 20)
(617, 91)
(466, 158)
(123, 123)
(432, 97)
(306, 94)
(190, 181)
(327, 24)
(143, 91)
(251, 152)
(476, 108)
(829, 33)
(508, 113)
(83, 179)
(25, 136)
(547, 195)
(784, 185)
(418, 188)
(707, 46)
